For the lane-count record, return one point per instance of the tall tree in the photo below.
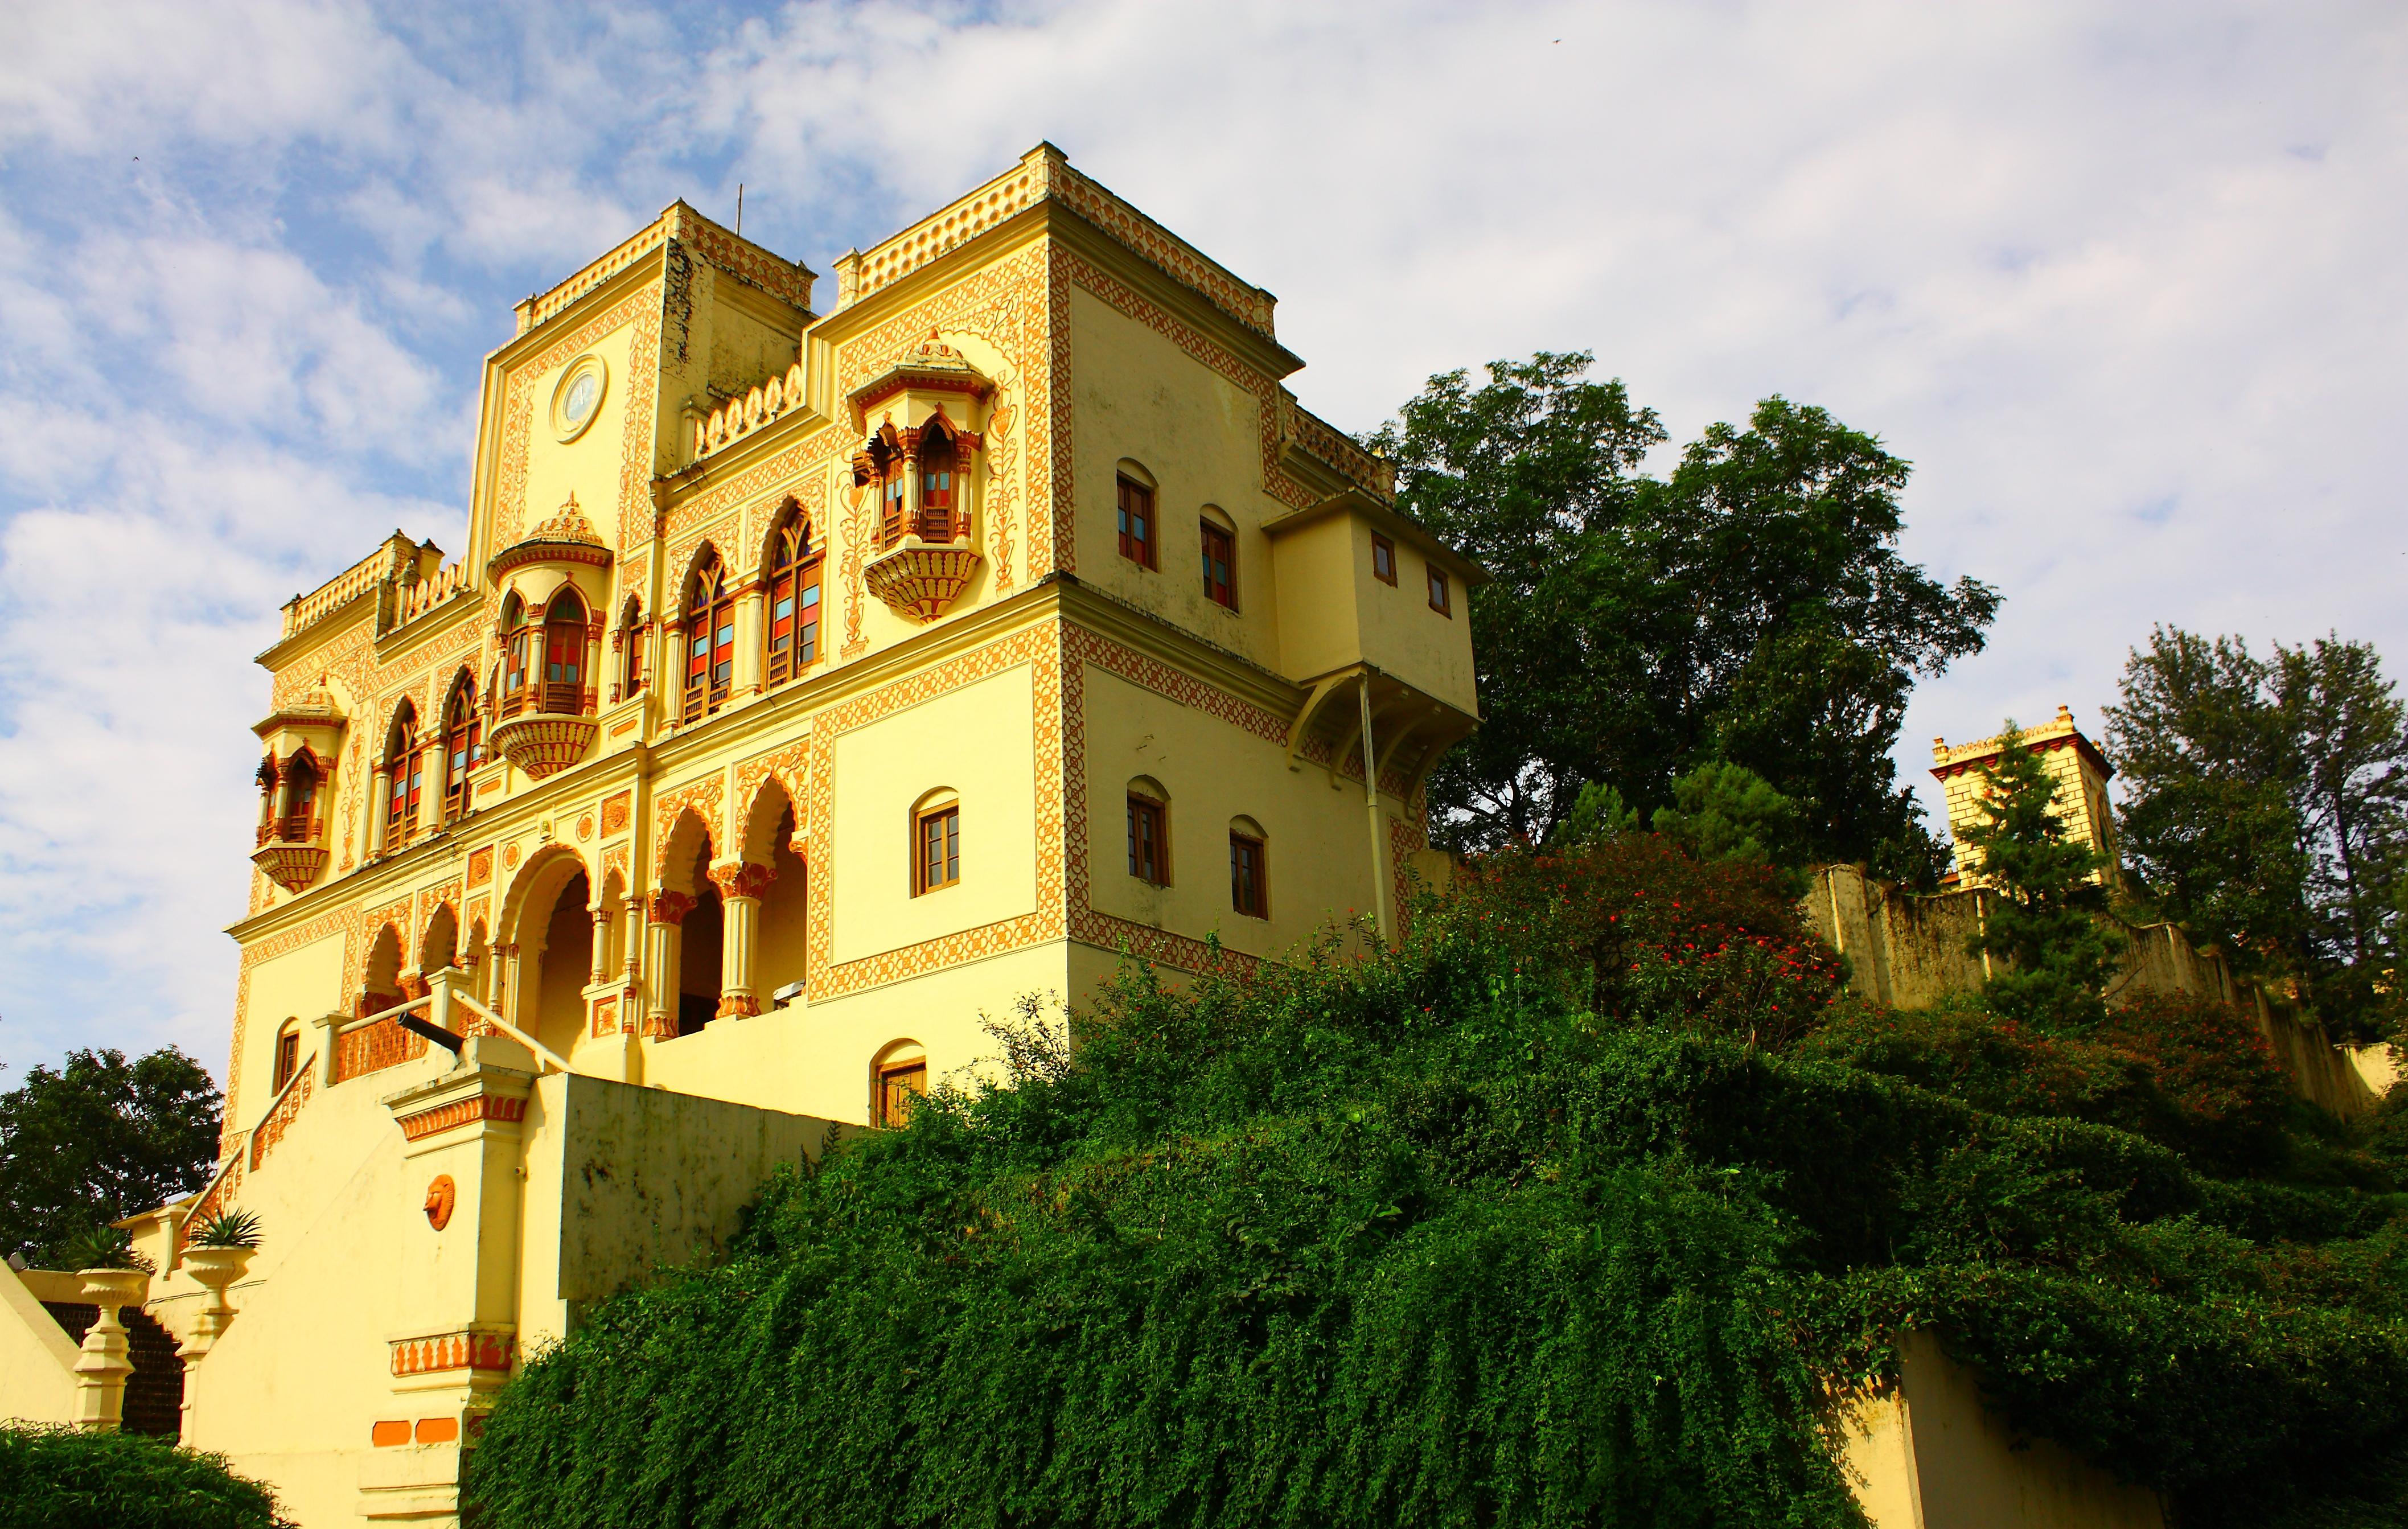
(1750, 607)
(2044, 918)
(2266, 807)
(99, 1140)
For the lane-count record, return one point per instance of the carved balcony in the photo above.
(920, 578)
(292, 851)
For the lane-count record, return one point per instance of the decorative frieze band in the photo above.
(484, 1107)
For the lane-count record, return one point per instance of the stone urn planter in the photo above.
(104, 1362)
(213, 1269)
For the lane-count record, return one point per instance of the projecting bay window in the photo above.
(563, 655)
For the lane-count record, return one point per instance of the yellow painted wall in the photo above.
(303, 984)
(1138, 397)
(814, 1057)
(36, 1357)
(977, 740)
(1319, 860)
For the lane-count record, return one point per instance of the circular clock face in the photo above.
(578, 396)
(577, 405)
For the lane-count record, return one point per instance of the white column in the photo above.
(379, 801)
(746, 681)
(740, 886)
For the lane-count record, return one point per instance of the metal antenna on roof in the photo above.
(739, 207)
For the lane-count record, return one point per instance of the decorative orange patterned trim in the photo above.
(459, 1113)
(703, 798)
(615, 812)
(442, 1352)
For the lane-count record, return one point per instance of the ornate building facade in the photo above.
(810, 686)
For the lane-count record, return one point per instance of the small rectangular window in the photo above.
(1438, 593)
(1136, 524)
(936, 849)
(1383, 559)
(288, 1058)
(1247, 885)
(1148, 857)
(1219, 564)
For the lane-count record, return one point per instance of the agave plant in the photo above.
(226, 1228)
(104, 1248)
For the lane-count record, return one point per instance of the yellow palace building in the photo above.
(810, 687)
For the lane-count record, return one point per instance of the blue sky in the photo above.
(2124, 283)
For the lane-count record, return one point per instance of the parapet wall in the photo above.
(1910, 951)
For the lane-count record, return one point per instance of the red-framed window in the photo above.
(631, 650)
(1383, 559)
(1220, 566)
(407, 763)
(891, 486)
(564, 654)
(1441, 596)
(709, 640)
(519, 635)
(1136, 524)
(937, 848)
(794, 603)
(298, 824)
(1249, 884)
(939, 463)
(463, 747)
(1149, 843)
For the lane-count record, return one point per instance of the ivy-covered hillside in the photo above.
(1577, 1210)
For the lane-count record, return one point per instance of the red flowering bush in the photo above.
(1646, 934)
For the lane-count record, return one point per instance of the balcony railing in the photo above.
(291, 828)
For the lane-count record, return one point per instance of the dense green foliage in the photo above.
(1748, 607)
(2266, 808)
(98, 1141)
(62, 1478)
(1580, 1210)
(2055, 950)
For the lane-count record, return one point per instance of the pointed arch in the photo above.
(941, 516)
(380, 978)
(707, 636)
(516, 633)
(791, 570)
(688, 837)
(565, 634)
(439, 945)
(464, 743)
(405, 756)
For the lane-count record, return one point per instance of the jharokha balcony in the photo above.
(925, 570)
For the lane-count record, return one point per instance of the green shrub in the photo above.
(1577, 1210)
(65, 1478)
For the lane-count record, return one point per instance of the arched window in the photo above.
(408, 777)
(1136, 524)
(518, 636)
(299, 823)
(1149, 832)
(793, 600)
(1249, 870)
(564, 654)
(463, 746)
(936, 842)
(710, 638)
(631, 650)
(288, 1053)
(939, 460)
(898, 1080)
(266, 778)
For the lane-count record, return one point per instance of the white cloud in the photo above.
(2124, 285)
